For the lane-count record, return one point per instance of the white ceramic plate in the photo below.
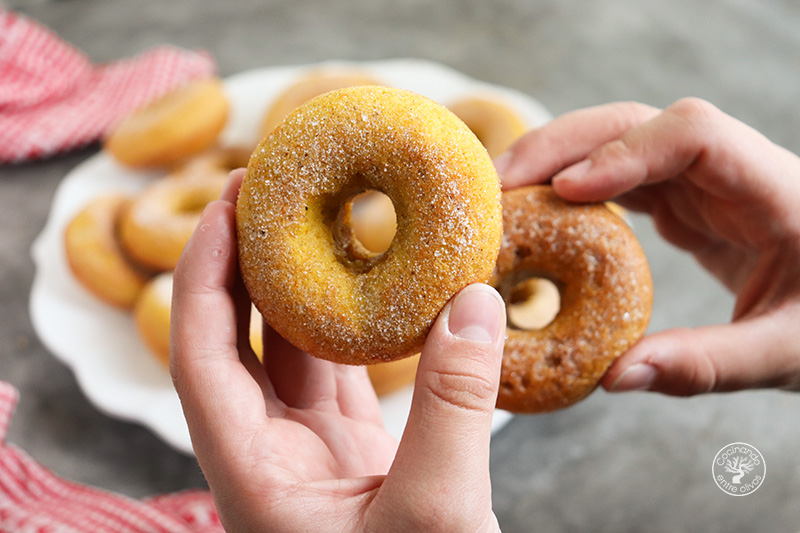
(100, 344)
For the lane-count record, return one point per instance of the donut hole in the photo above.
(533, 303)
(364, 229)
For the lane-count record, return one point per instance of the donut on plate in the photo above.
(493, 121)
(310, 84)
(182, 123)
(330, 298)
(151, 314)
(594, 297)
(163, 216)
(95, 256)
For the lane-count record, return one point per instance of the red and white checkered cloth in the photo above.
(33, 499)
(52, 99)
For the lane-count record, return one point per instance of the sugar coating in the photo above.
(445, 193)
(595, 260)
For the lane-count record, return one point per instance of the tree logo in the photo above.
(739, 469)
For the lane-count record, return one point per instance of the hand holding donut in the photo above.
(714, 187)
(298, 443)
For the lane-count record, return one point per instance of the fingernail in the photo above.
(477, 314)
(574, 172)
(638, 376)
(502, 162)
(228, 193)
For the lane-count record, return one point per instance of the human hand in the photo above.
(714, 187)
(297, 444)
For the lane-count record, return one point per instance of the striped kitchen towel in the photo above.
(53, 99)
(34, 499)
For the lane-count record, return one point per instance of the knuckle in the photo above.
(694, 110)
(462, 390)
(630, 114)
(695, 372)
(615, 150)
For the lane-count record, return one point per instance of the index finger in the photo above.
(205, 365)
(569, 138)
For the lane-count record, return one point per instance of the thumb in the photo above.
(446, 441)
(754, 353)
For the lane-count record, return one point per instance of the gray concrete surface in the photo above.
(634, 462)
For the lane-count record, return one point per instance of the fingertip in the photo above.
(573, 184)
(210, 251)
(502, 162)
(528, 161)
(673, 362)
(506, 165)
(477, 314)
(230, 191)
(461, 359)
(636, 377)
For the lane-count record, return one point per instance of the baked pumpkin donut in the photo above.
(95, 256)
(603, 296)
(493, 121)
(161, 219)
(182, 123)
(310, 84)
(151, 314)
(314, 288)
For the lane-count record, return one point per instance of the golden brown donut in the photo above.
(593, 258)
(310, 84)
(161, 219)
(95, 256)
(218, 160)
(494, 122)
(182, 123)
(151, 314)
(309, 283)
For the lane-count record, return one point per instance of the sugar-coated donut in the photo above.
(163, 216)
(593, 258)
(493, 121)
(310, 84)
(151, 314)
(182, 123)
(95, 256)
(325, 296)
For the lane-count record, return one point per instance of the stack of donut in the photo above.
(364, 209)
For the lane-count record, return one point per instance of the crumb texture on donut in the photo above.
(595, 260)
(445, 193)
